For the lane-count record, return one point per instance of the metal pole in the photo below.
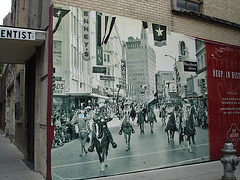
(175, 62)
(113, 84)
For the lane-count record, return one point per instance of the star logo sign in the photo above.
(58, 13)
(159, 31)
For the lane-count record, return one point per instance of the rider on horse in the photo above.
(101, 118)
(126, 123)
(151, 117)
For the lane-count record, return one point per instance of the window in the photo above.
(57, 51)
(105, 58)
(108, 70)
(187, 5)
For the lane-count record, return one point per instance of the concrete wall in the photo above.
(159, 11)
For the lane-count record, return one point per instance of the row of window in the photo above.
(188, 5)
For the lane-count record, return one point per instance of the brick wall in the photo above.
(159, 11)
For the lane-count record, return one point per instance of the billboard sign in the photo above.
(190, 66)
(99, 69)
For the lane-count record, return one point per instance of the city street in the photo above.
(148, 151)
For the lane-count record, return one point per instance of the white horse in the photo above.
(127, 129)
(83, 130)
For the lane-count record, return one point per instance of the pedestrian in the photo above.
(82, 126)
(141, 119)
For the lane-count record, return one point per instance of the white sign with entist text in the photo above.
(17, 33)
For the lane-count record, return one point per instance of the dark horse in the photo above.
(104, 138)
(101, 145)
(171, 128)
(190, 131)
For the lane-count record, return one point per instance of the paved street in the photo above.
(148, 151)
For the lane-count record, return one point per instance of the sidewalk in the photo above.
(203, 171)
(12, 164)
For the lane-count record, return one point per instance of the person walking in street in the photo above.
(141, 119)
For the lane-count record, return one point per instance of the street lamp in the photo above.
(175, 62)
(114, 65)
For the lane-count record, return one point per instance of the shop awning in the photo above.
(18, 44)
(78, 94)
(57, 101)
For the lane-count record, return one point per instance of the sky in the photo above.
(132, 27)
(5, 8)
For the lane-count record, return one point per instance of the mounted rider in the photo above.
(101, 118)
(126, 121)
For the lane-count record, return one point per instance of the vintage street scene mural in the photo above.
(127, 95)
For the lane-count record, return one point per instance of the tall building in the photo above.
(141, 67)
(76, 86)
(162, 84)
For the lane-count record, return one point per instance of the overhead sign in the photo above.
(190, 66)
(17, 33)
(60, 87)
(107, 78)
(99, 69)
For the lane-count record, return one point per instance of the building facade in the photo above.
(141, 67)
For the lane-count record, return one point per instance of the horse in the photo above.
(181, 130)
(133, 113)
(190, 131)
(101, 145)
(163, 116)
(151, 118)
(171, 128)
(84, 129)
(127, 128)
(102, 141)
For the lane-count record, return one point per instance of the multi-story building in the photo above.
(141, 67)
(75, 83)
(196, 87)
(162, 77)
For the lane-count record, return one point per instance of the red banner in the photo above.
(223, 78)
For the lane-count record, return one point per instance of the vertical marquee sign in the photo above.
(99, 51)
(86, 36)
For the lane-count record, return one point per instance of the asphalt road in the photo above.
(148, 151)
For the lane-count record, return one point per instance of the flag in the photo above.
(59, 13)
(99, 49)
(144, 24)
(104, 26)
(106, 23)
(159, 35)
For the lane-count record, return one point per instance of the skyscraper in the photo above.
(141, 67)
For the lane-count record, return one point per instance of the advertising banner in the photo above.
(126, 103)
(223, 79)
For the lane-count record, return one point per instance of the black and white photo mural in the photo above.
(128, 96)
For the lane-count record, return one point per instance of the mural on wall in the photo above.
(128, 95)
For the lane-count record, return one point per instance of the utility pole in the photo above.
(175, 68)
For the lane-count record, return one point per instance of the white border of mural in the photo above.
(129, 82)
